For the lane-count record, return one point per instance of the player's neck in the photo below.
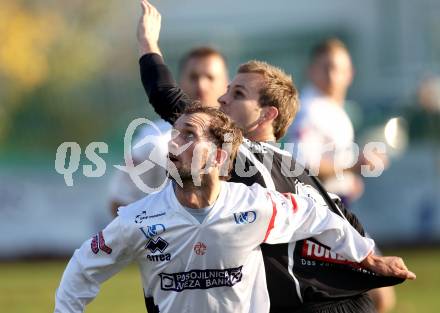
(197, 197)
(261, 134)
(338, 97)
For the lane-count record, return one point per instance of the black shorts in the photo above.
(356, 304)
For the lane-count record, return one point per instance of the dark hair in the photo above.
(200, 53)
(326, 46)
(221, 130)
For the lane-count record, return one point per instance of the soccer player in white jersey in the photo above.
(197, 241)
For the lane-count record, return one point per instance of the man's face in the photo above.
(241, 100)
(332, 72)
(189, 147)
(204, 79)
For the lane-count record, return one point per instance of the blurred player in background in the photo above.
(204, 77)
(423, 116)
(323, 132)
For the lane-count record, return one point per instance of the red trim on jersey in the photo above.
(102, 244)
(294, 204)
(272, 219)
(292, 199)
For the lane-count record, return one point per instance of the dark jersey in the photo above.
(299, 273)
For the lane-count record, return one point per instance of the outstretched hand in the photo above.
(148, 29)
(388, 266)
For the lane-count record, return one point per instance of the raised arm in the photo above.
(297, 218)
(163, 93)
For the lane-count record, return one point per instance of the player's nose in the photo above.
(222, 101)
(173, 146)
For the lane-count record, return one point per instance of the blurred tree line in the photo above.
(68, 72)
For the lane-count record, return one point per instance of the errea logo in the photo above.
(247, 217)
(157, 245)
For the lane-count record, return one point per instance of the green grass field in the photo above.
(29, 287)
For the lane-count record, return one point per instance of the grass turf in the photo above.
(30, 286)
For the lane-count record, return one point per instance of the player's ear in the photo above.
(269, 113)
(221, 156)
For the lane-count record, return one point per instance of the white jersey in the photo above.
(213, 266)
(323, 130)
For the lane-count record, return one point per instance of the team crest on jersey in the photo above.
(152, 230)
(98, 243)
(200, 248)
(247, 217)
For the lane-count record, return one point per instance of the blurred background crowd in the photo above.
(69, 73)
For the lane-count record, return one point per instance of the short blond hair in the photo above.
(278, 91)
